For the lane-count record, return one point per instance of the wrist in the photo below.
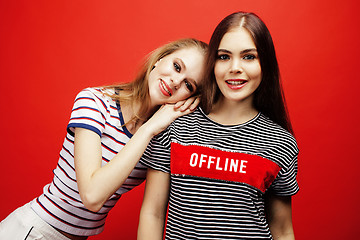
(146, 131)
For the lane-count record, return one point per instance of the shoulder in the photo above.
(96, 92)
(187, 125)
(278, 139)
(193, 119)
(182, 125)
(97, 95)
(274, 130)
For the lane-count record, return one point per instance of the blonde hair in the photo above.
(138, 90)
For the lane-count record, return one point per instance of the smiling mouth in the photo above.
(165, 89)
(235, 82)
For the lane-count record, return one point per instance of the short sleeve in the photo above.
(157, 153)
(89, 111)
(286, 183)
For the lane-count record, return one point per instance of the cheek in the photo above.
(180, 94)
(254, 72)
(184, 94)
(165, 67)
(151, 77)
(218, 71)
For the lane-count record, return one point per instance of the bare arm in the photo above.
(279, 217)
(96, 184)
(154, 206)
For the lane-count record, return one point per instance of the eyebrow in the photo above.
(242, 52)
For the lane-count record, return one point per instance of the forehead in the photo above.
(186, 53)
(193, 60)
(237, 38)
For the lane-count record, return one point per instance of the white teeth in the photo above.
(235, 82)
(165, 88)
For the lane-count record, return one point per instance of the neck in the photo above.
(130, 111)
(146, 113)
(229, 112)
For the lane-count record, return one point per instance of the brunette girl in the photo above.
(227, 170)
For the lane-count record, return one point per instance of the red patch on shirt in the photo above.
(211, 163)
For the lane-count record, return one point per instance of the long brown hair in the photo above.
(138, 90)
(269, 96)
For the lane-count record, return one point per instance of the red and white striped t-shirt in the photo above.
(60, 204)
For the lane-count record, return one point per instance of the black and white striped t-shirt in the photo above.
(219, 175)
(60, 204)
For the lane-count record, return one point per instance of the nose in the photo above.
(236, 66)
(176, 81)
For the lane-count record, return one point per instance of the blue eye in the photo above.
(223, 57)
(249, 57)
(177, 67)
(189, 86)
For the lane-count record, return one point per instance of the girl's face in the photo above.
(176, 76)
(237, 68)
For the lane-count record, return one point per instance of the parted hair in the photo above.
(269, 96)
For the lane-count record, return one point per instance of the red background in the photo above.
(50, 50)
